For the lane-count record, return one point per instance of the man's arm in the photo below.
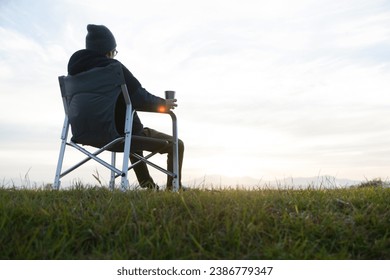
(143, 100)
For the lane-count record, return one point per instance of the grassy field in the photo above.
(96, 223)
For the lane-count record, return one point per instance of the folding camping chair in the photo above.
(89, 100)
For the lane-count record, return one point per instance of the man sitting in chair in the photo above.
(100, 51)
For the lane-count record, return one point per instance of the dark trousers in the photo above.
(141, 169)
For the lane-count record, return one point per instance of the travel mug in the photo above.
(169, 94)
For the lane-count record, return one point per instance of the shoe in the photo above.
(150, 185)
(181, 188)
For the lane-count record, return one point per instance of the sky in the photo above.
(266, 89)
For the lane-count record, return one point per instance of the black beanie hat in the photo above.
(99, 39)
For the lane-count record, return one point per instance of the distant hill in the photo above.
(299, 182)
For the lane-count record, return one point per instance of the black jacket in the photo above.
(141, 99)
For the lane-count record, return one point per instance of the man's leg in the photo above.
(159, 135)
(142, 173)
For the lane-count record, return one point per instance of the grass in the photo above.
(96, 223)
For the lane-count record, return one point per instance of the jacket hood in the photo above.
(84, 60)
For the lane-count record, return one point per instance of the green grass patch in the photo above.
(96, 223)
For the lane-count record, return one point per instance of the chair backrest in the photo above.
(89, 100)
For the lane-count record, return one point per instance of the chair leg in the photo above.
(126, 150)
(125, 164)
(57, 181)
(112, 180)
(176, 179)
(64, 136)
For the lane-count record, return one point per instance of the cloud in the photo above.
(282, 87)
